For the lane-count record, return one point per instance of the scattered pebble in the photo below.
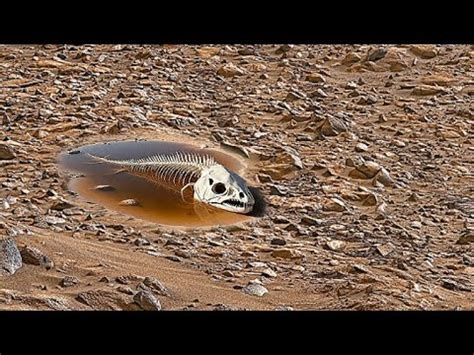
(416, 224)
(129, 202)
(104, 188)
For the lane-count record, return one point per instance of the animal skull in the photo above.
(223, 189)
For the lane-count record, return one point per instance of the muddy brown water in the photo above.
(155, 203)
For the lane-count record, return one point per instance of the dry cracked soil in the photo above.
(363, 154)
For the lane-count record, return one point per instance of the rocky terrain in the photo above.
(364, 155)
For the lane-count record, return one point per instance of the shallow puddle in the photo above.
(140, 198)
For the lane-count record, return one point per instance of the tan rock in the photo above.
(286, 254)
(335, 205)
(103, 299)
(229, 70)
(129, 202)
(207, 52)
(315, 78)
(350, 59)
(427, 90)
(424, 51)
(385, 249)
(336, 245)
(438, 79)
(6, 152)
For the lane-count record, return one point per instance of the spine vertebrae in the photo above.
(173, 170)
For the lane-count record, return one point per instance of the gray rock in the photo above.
(52, 220)
(284, 308)
(154, 285)
(269, 273)
(255, 289)
(147, 301)
(69, 281)
(376, 54)
(34, 256)
(177, 121)
(125, 289)
(361, 147)
(454, 286)
(224, 307)
(141, 241)
(257, 264)
(311, 221)
(10, 258)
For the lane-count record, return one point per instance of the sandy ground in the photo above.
(363, 153)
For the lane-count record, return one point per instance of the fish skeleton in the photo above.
(212, 183)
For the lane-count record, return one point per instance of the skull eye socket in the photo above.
(219, 188)
(211, 181)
